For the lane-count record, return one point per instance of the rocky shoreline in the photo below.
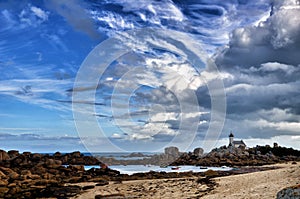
(33, 175)
(223, 156)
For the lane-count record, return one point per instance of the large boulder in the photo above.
(198, 152)
(172, 151)
(289, 193)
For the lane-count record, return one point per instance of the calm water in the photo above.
(131, 169)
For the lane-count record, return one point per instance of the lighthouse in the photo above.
(231, 139)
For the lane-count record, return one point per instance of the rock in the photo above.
(51, 163)
(57, 154)
(12, 185)
(88, 187)
(25, 172)
(211, 173)
(39, 170)
(13, 153)
(76, 154)
(102, 183)
(289, 193)
(60, 192)
(13, 190)
(13, 175)
(36, 156)
(3, 183)
(26, 153)
(76, 167)
(74, 180)
(3, 191)
(44, 182)
(6, 171)
(34, 177)
(173, 151)
(47, 176)
(110, 196)
(198, 152)
(4, 155)
(2, 175)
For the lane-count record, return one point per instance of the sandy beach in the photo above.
(258, 185)
(262, 185)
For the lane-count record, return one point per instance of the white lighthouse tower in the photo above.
(231, 139)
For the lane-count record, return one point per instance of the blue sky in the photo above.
(43, 45)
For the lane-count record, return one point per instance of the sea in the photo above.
(131, 169)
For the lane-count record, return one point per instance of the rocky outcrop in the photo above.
(231, 156)
(30, 175)
(289, 193)
(223, 156)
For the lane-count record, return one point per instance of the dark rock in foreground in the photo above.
(30, 175)
(289, 193)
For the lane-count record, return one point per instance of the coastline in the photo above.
(260, 184)
(32, 175)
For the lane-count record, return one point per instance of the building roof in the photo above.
(239, 142)
(231, 135)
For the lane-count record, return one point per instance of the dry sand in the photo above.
(258, 185)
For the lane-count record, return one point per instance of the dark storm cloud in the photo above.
(263, 94)
(275, 40)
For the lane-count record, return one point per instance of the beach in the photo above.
(257, 185)
(262, 185)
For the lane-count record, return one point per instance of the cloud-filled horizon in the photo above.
(255, 46)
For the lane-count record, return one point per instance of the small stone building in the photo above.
(235, 143)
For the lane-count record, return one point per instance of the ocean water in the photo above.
(116, 155)
(122, 156)
(131, 169)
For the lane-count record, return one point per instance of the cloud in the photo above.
(32, 16)
(40, 13)
(209, 21)
(75, 15)
(263, 63)
(40, 143)
(38, 92)
(275, 40)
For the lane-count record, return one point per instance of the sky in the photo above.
(119, 75)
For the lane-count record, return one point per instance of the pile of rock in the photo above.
(30, 175)
(233, 157)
